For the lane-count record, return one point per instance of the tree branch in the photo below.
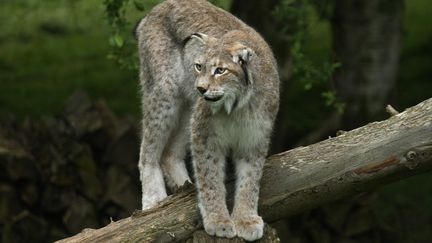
(300, 179)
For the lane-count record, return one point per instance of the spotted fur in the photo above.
(209, 83)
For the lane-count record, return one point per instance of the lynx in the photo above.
(209, 83)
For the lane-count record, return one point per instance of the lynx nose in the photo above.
(201, 90)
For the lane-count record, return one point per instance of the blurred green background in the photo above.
(51, 48)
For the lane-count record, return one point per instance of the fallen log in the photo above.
(298, 180)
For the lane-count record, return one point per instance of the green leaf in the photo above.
(117, 41)
(329, 97)
(308, 86)
(139, 5)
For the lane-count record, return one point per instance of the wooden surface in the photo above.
(299, 179)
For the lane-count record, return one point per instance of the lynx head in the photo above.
(222, 71)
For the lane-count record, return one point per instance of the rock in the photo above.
(30, 193)
(61, 174)
(121, 189)
(22, 168)
(55, 199)
(89, 180)
(124, 150)
(9, 203)
(93, 122)
(81, 214)
(28, 227)
(15, 160)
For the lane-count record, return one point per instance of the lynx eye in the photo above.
(198, 67)
(219, 71)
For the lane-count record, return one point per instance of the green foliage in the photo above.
(225, 4)
(310, 74)
(116, 11)
(49, 49)
(122, 15)
(123, 50)
(414, 82)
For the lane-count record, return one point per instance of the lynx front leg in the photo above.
(209, 165)
(248, 224)
(209, 171)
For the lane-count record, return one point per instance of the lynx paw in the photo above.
(151, 200)
(219, 226)
(153, 186)
(249, 227)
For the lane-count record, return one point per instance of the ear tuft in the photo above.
(198, 36)
(203, 38)
(242, 54)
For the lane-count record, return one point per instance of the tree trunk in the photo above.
(366, 41)
(259, 15)
(299, 179)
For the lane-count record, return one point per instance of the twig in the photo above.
(392, 111)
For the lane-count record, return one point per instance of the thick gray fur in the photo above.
(188, 102)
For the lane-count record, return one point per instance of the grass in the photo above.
(58, 50)
(51, 48)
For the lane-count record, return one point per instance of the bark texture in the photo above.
(299, 179)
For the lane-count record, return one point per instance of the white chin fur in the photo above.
(229, 103)
(226, 102)
(215, 106)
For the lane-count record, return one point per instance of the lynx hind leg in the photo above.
(153, 141)
(160, 79)
(157, 125)
(160, 118)
(173, 159)
(153, 186)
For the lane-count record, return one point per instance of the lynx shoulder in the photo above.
(209, 84)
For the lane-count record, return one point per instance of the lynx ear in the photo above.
(203, 38)
(199, 36)
(243, 55)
